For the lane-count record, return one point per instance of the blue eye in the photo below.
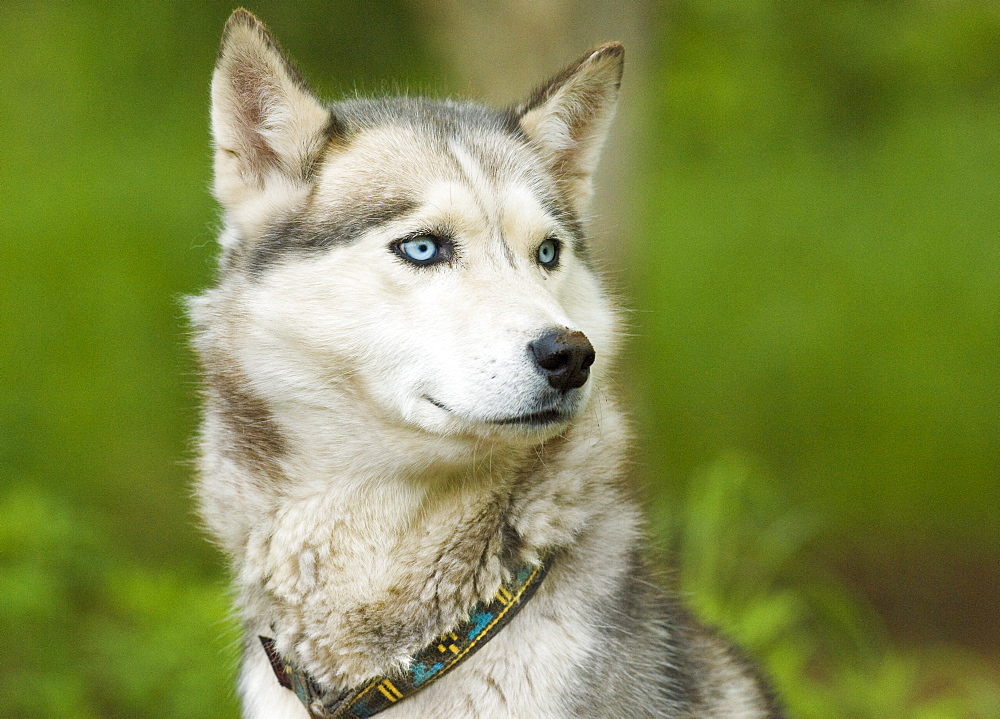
(421, 250)
(548, 253)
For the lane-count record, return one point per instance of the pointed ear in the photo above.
(267, 125)
(568, 117)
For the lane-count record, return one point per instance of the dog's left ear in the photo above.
(568, 118)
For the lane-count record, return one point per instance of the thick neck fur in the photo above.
(356, 540)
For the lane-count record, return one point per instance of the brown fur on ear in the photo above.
(568, 117)
(266, 123)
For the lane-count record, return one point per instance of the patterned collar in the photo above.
(427, 665)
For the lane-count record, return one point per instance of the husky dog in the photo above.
(408, 395)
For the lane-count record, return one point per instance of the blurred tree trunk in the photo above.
(499, 50)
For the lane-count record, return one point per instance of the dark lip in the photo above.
(436, 403)
(548, 416)
(541, 418)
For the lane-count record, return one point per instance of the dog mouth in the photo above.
(538, 418)
(534, 419)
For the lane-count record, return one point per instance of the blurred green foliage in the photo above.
(88, 633)
(821, 282)
(743, 552)
(817, 283)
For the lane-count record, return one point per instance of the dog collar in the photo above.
(430, 663)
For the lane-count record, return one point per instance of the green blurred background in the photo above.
(801, 204)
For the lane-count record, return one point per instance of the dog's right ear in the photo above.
(268, 127)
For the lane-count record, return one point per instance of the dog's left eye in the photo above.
(422, 250)
(548, 253)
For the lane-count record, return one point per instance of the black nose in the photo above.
(565, 357)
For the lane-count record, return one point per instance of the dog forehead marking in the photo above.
(526, 219)
(506, 201)
(474, 175)
(454, 204)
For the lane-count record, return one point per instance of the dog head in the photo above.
(418, 262)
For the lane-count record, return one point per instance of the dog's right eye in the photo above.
(422, 250)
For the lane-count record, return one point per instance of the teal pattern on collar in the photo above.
(430, 663)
